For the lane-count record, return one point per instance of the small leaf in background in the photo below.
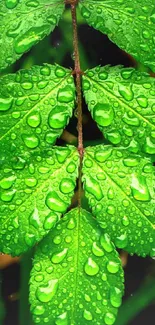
(23, 24)
(77, 276)
(35, 107)
(120, 190)
(34, 193)
(122, 102)
(129, 24)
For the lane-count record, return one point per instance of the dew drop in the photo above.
(58, 118)
(30, 141)
(11, 4)
(7, 196)
(115, 297)
(60, 72)
(7, 182)
(112, 267)
(103, 114)
(103, 155)
(34, 120)
(67, 185)
(139, 188)
(59, 257)
(34, 218)
(54, 202)
(93, 187)
(91, 268)
(45, 294)
(126, 92)
(105, 243)
(38, 310)
(50, 221)
(5, 104)
(121, 241)
(97, 251)
(62, 319)
(65, 95)
(87, 315)
(109, 319)
(71, 224)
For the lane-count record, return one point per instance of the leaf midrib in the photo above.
(121, 101)
(120, 189)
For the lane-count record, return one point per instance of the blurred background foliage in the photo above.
(95, 49)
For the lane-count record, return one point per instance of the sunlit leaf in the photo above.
(120, 190)
(34, 192)
(77, 276)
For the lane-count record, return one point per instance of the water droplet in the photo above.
(111, 209)
(142, 101)
(91, 268)
(139, 188)
(114, 137)
(131, 162)
(121, 241)
(103, 155)
(50, 221)
(45, 294)
(97, 251)
(34, 120)
(45, 70)
(25, 41)
(93, 187)
(7, 196)
(11, 4)
(87, 315)
(85, 12)
(103, 114)
(71, 167)
(62, 319)
(32, 3)
(58, 118)
(5, 103)
(109, 319)
(112, 267)
(71, 224)
(7, 182)
(31, 182)
(149, 146)
(59, 257)
(126, 92)
(67, 185)
(65, 95)
(115, 297)
(62, 154)
(133, 120)
(54, 202)
(106, 243)
(60, 72)
(125, 221)
(38, 310)
(30, 239)
(30, 141)
(34, 218)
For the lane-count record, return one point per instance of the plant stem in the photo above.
(77, 71)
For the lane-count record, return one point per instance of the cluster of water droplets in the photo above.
(120, 190)
(121, 101)
(76, 278)
(35, 109)
(129, 25)
(24, 24)
(34, 193)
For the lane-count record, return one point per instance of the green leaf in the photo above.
(34, 192)
(77, 276)
(129, 24)
(121, 101)
(35, 106)
(23, 24)
(120, 190)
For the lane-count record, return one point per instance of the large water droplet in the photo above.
(7, 182)
(91, 268)
(60, 72)
(30, 141)
(34, 218)
(54, 202)
(50, 221)
(25, 41)
(58, 118)
(11, 4)
(149, 146)
(126, 92)
(131, 120)
(65, 95)
(139, 188)
(62, 319)
(112, 267)
(7, 196)
(106, 243)
(103, 114)
(87, 315)
(109, 319)
(103, 155)
(59, 257)
(34, 120)
(45, 294)
(115, 297)
(67, 185)
(93, 187)
(5, 103)
(121, 241)
(97, 251)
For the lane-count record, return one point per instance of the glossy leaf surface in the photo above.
(122, 102)
(23, 24)
(35, 106)
(120, 190)
(35, 191)
(129, 24)
(76, 278)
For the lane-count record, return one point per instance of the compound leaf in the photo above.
(23, 24)
(121, 101)
(120, 190)
(35, 106)
(129, 24)
(34, 192)
(76, 278)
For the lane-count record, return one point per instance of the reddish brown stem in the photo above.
(78, 72)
